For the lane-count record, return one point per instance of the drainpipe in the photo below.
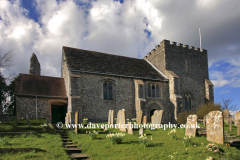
(36, 108)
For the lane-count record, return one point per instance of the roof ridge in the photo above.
(38, 75)
(103, 53)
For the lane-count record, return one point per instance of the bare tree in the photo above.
(227, 104)
(6, 59)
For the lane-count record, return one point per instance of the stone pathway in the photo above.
(72, 149)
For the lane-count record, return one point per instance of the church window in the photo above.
(108, 91)
(188, 101)
(153, 90)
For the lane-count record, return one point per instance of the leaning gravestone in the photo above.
(122, 121)
(191, 125)
(226, 116)
(236, 117)
(215, 128)
(129, 128)
(145, 120)
(139, 117)
(76, 122)
(157, 118)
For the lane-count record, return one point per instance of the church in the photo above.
(173, 78)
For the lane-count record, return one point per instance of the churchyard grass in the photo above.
(160, 147)
(48, 140)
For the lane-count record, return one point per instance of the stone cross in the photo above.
(226, 116)
(157, 118)
(237, 117)
(145, 120)
(76, 122)
(191, 128)
(215, 128)
(139, 117)
(130, 128)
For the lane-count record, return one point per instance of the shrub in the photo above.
(85, 120)
(133, 120)
(204, 109)
(182, 117)
(92, 135)
(172, 134)
(116, 138)
(143, 140)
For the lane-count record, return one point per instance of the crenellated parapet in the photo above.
(179, 48)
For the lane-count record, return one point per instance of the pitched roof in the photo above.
(29, 84)
(97, 62)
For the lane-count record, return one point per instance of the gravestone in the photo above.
(66, 119)
(141, 131)
(122, 121)
(191, 129)
(226, 116)
(145, 120)
(47, 121)
(130, 128)
(157, 118)
(109, 116)
(112, 118)
(237, 117)
(76, 122)
(215, 128)
(118, 118)
(139, 117)
(28, 122)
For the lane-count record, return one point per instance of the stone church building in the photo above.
(173, 78)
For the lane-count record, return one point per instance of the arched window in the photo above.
(188, 101)
(108, 91)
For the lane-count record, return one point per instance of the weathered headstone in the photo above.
(145, 120)
(118, 119)
(112, 118)
(237, 117)
(226, 116)
(215, 128)
(130, 128)
(122, 121)
(141, 131)
(139, 117)
(191, 129)
(76, 122)
(157, 118)
(109, 116)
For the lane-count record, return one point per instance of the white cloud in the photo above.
(117, 28)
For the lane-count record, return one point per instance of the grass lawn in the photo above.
(160, 147)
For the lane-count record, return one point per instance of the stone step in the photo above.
(65, 137)
(73, 150)
(79, 155)
(234, 141)
(71, 146)
(67, 140)
(67, 143)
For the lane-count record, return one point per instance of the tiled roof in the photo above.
(91, 61)
(29, 84)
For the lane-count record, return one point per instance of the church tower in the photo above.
(35, 67)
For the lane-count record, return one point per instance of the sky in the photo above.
(127, 27)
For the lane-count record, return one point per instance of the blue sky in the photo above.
(130, 28)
